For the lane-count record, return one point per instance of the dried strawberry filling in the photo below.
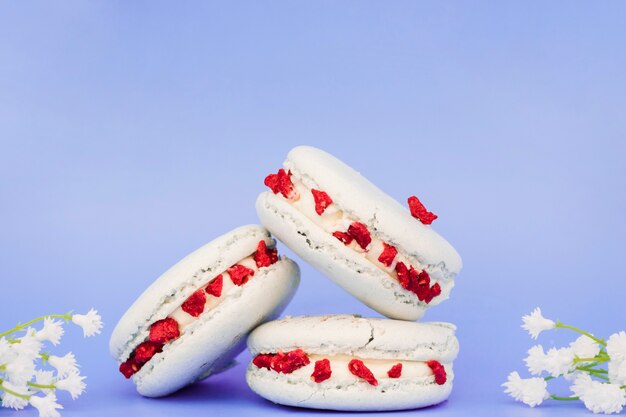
(439, 371)
(282, 362)
(388, 254)
(322, 371)
(395, 371)
(417, 282)
(194, 305)
(215, 287)
(146, 350)
(163, 331)
(263, 256)
(359, 232)
(358, 368)
(239, 274)
(280, 183)
(322, 200)
(168, 329)
(345, 238)
(129, 368)
(419, 211)
(263, 360)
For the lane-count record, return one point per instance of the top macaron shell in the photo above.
(363, 337)
(357, 196)
(383, 216)
(204, 348)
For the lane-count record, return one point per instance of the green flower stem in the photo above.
(560, 325)
(32, 384)
(17, 394)
(555, 397)
(547, 378)
(19, 327)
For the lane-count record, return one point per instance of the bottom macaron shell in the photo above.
(211, 343)
(358, 396)
(349, 270)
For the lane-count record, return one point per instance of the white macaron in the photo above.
(193, 320)
(344, 362)
(388, 257)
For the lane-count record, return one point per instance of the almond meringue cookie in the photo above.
(358, 236)
(350, 363)
(193, 320)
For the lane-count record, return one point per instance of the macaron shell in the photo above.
(356, 195)
(173, 287)
(218, 335)
(357, 336)
(347, 268)
(391, 394)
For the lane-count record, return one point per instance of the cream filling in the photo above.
(379, 367)
(185, 319)
(334, 219)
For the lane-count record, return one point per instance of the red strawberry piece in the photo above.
(130, 367)
(388, 255)
(360, 233)
(280, 183)
(322, 371)
(419, 211)
(395, 371)
(239, 274)
(287, 362)
(264, 256)
(163, 331)
(263, 360)
(215, 286)
(422, 288)
(344, 237)
(358, 368)
(322, 200)
(439, 371)
(194, 305)
(434, 291)
(146, 350)
(403, 275)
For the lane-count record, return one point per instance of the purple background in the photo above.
(133, 132)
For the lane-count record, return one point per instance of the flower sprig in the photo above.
(596, 368)
(20, 353)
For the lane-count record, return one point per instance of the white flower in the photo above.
(47, 406)
(535, 323)
(73, 384)
(64, 365)
(599, 397)
(536, 360)
(20, 370)
(572, 376)
(10, 400)
(559, 361)
(531, 391)
(52, 331)
(90, 322)
(617, 372)
(616, 346)
(29, 346)
(582, 383)
(7, 353)
(44, 378)
(585, 347)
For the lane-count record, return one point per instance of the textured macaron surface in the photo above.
(363, 337)
(363, 200)
(347, 362)
(184, 322)
(358, 236)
